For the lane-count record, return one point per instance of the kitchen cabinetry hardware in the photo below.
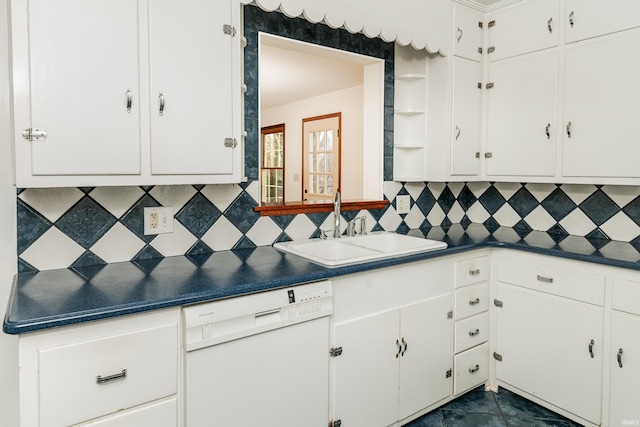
(474, 369)
(620, 358)
(490, 85)
(230, 142)
(569, 129)
(399, 348)
(459, 34)
(335, 352)
(33, 134)
(474, 333)
(474, 301)
(498, 303)
(458, 132)
(547, 130)
(405, 347)
(480, 50)
(450, 315)
(544, 279)
(477, 154)
(448, 374)
(497, 356)
(492, 24)
(119, 376)
(161, 98)
(488, 155)
(474, 272)
(571, 15)
(336, 423)
(480, 24)
(549, 27)
(480, 84)
(491, 49)
(591, 344)
(229, 29)
(129, 100)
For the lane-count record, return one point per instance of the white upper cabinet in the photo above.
(189, 56)
(95, 86)
(468, 35)
(522, 116)
(601, 130)
(73, 78)
(522, 29)
(466, 142)
(591, 18)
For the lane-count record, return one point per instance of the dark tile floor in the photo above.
(479, 408)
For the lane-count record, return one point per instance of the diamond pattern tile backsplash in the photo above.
(72, 227)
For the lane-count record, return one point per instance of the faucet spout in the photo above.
(336, 215)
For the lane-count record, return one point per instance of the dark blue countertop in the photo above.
(61, 297)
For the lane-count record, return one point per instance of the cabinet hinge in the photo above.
(480, 24)
(230, 143)
(497, 356)
(490, 85)
(450, 315)
(336, 423)
(491, 49)
(498, 303)
(477, 154)
(488, 155)
(480, 50)
(229, 29)
(33, 134)
(449, 373)
(335, 352)
(492, 24)
(479, 85)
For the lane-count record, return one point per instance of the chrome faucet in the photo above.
(336, 215)
(351, 226)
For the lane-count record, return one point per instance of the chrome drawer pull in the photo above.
(102, 380)
(591, 344)
(474, 272)
(474, 369)
(129, 95)
(544, 279)
(161, 108)
(405, 347)
(474, 333)
(399, 348)
(474, 301)
(620, 358)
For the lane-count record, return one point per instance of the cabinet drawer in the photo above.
(471, 368)
(626, 296)
(106, 375)
(163, 413)
(471, 300)
(565, 282)
(470, 271)
(471, 332)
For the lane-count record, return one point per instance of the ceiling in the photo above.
(291, 71)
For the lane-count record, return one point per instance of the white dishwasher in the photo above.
(260, 359)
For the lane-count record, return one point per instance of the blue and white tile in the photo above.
(436, 188)
(578, 192)
(264, 232)
(436, 216)
(221, 195)
(253, 190)
(540, 190)
(176, 243)
(118, 244)
(223, 235)
(414, 189)
(508, 189)
(577, 223)
(391, 189)
(456, 213)
(540, 220)
(506, 216)
(301, 228)
(478, 188)
(51, 203)
(391, 220)
(117, 200)
(620, 250)
(540, 238)
(175, 196)
(477, 213)
(576, 244)
(53, 250)
(414, 218)
(327, 225)
(456, 188)
(622, 195)
(620, 227)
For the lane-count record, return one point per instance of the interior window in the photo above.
(272, 170)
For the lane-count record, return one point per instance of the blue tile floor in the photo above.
(479, 408)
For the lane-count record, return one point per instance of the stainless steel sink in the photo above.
(353, 250)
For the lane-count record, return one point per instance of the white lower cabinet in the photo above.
(471, 368)
(112, 373)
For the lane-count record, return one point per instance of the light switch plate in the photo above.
(158, 220)
(403, 204)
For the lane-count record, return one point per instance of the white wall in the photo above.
(8, 343)
(349, 103)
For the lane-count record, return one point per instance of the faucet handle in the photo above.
(323, 234)
(363, 225)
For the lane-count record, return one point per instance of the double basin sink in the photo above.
(362, 248)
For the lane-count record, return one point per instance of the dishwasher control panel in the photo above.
(225, 320)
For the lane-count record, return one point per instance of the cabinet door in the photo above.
(365, 386)
(590, 18)
(79, 60)
(544, 341)
(467, 103)
(468, 37)
(426, 356)
(191, 67)
(601, 130)
(625, 336)
(522, 116)
(524, 29)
